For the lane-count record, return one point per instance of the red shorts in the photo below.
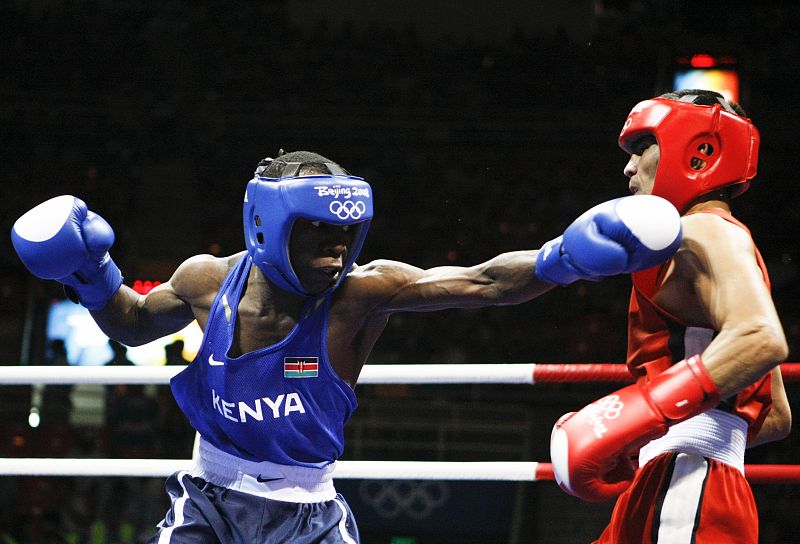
(681, 498)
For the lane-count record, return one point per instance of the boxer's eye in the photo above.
(642, 145)
(318, 224)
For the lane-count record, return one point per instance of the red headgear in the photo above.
(681, 128)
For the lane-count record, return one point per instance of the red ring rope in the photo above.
(755, 474)
(608, 372)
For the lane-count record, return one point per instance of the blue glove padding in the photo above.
(616, 237)
(61, 239)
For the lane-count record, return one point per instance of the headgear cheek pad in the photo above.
(681, 130)
(271, 206)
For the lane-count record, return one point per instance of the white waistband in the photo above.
(269, 480)
(714, 434)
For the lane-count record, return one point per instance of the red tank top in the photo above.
(656, 340)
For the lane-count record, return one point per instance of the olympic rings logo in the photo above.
(598, 412)
(347, 209)
(413, 498)
(610, 406)
(627, 124)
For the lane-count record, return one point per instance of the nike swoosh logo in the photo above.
(214, 362)
(264, 480)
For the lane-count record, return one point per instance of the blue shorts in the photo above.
(205, 513)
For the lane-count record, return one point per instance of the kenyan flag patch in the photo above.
(300, 367)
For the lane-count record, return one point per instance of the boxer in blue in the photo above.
(289, 323)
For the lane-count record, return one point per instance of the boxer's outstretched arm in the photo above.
(506, 279)
(616, 237)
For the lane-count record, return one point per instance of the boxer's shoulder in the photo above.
(384, 268)
(704, 232)
(202, 274)
(374, 288)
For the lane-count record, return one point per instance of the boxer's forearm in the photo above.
(512, 277)
(134, 319)
(739, 356)
(778, 423)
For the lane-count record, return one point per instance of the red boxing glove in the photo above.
(590, 449)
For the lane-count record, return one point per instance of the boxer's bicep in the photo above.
(134, 319)
(729, 282)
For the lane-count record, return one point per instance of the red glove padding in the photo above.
(591, 449)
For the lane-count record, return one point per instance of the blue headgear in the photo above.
(271, 206)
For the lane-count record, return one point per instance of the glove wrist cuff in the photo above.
(552, 265)
(94, 287)
(684, 390)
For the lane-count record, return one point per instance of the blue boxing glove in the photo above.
(60, 239)
(616, 237)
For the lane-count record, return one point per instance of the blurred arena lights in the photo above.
(706, 71)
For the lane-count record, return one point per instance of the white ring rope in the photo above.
(380, 470)
(508, 471)
(521, 373)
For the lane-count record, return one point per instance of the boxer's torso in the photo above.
(282, 402)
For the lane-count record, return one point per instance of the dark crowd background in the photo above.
(475, 143)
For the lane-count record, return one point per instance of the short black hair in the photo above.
(704, 97)
(309, 161)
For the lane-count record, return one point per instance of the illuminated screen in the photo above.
(725, 82)
(86, 344)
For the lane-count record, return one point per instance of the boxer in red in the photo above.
(704, 342)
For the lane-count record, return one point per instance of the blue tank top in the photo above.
(283, 403)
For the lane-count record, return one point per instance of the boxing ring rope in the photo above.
(499, 373)
(514, 471)
(508, 471)
(507, 373)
